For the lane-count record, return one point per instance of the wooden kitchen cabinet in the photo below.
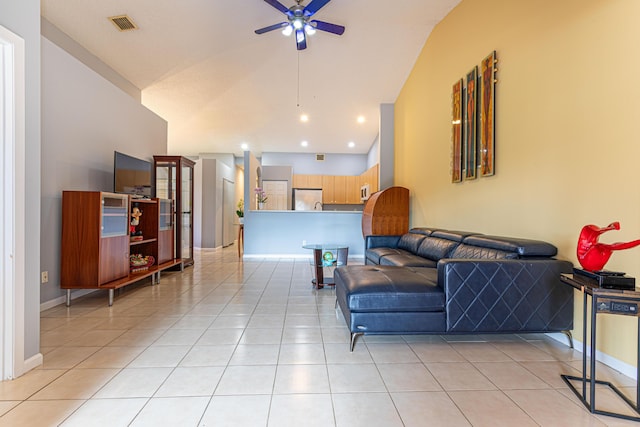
(307, 181)
(370, 177)
(340, 189)
(353, 190)
(328, 189)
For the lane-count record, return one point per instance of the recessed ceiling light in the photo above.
(352, 144)
(304, 143)
(361, 119)
(244, 147)
(304, 118)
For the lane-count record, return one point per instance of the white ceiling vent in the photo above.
(123, 23)
(320, 157)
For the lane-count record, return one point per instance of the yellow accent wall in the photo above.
(567, 119)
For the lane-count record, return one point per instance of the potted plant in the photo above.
(261, 197)
(240, 211)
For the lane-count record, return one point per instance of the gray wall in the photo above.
(23, 18)
(61, 39)
(386, 146)
(304, 163)
(84, 119)
(208, 203)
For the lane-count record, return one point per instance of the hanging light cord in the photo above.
(298, 95)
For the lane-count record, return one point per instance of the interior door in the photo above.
(228, 212)
(277, 193)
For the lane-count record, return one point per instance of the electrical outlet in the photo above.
(304, 242)
(44, 277)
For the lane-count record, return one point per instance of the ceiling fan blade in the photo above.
(282, 8)
(328, 27)
(314, 6)
(301, 39)
(272, 27)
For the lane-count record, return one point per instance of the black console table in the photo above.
(612, 301)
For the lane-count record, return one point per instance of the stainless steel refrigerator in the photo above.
(307, 200)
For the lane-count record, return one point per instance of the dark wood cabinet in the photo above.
(386, 212)
(96, 244)
(174, 181)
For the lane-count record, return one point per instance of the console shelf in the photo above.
(96, 242)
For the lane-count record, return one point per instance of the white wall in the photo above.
(23, 18)
(373, 156)
(84, 119)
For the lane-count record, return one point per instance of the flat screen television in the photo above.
(131, 175)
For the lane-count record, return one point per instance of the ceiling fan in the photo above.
(299, 21)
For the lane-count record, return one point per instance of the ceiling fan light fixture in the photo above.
(308, 28)
(300, 37)
(298, 23)
(288, 30)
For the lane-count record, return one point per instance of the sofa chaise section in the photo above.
(468, 283)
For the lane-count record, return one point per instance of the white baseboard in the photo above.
(33, 362)
(620, 366)
(63, 299)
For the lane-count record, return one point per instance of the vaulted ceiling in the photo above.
(200, 66)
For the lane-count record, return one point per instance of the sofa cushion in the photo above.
(456, 236)
(410, 242)
(407, 260)
(372, 288)
(435, 248)
(523, 247)
(464, 251)
(422, 230)
(376, 253)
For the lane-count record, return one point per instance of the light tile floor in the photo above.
(231, 343)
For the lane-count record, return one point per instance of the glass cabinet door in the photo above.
(115, 215)
(186, 211)
(174, 180)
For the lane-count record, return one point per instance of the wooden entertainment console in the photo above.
(96, 244)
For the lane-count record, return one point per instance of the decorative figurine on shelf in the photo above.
(593, 255)
(136, 213)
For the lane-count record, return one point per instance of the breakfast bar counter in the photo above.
(283, 233)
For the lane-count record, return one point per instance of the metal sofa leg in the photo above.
(570, 337)
(354, 335)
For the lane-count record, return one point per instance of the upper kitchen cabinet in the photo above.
(352, 189)
(339, 189)
(307, 181)
(370, 177)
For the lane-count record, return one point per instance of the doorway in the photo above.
(228, 211)
(12, 204)
(277, 195)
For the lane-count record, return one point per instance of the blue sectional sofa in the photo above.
(451, 282)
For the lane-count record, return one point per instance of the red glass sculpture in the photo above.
(593, 255)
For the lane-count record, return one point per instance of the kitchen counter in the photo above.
(282, 233)
(322, 211)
